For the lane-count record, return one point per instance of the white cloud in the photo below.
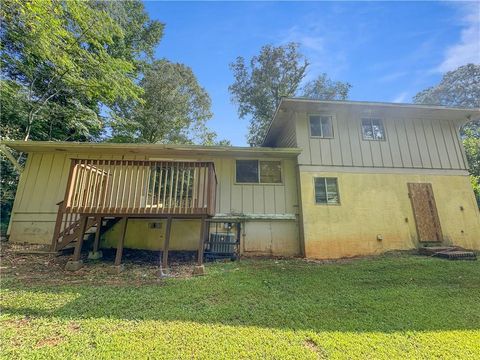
(401, 98)
(467, 50)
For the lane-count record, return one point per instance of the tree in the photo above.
(58, 52)
(460, 88)
(323, 88)
(258, 88)
(275, 73)
(174, 108)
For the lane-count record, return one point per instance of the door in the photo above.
(425, 212)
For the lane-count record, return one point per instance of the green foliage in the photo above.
(258, 88)
(390, 307)
(323, 88)
(58, 52)
(174, 108)
(275, 73)
(460, 88)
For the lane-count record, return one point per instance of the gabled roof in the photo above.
(289, 105)
(187, 151)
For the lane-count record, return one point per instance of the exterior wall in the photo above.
(411, 142)
(374, 204)
(42, 185)
(259, 237)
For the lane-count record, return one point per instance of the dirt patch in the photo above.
(32, 265)
(312, 345)
(51, 341)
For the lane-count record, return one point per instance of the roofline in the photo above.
(25, 146)
(368, 103)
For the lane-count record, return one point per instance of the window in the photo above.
(326, 191)
(255, 171)
(321, 126)
(372, 129)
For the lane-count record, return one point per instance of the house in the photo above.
(333, 179)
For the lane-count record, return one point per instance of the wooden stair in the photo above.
(67, 238)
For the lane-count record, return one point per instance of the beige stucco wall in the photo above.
(378, 204)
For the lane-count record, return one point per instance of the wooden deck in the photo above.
(101, 192)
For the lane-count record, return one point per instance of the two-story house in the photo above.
(333, 179)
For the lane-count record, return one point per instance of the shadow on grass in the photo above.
(386, 294)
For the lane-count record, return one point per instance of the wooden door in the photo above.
(425, 212)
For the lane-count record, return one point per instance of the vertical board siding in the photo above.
(411, 142)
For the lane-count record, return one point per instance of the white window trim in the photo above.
(332, 120)
(281, 183)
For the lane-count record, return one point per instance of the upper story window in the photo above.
(372, 129)
(326, 190)
(321, 126)
(258, 172)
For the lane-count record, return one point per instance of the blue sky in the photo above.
(388, 51)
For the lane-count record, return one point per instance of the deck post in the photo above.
(95, 254)
(96, 243)
(81, 234)
(121, 241)
(164, 264)
(58, 225)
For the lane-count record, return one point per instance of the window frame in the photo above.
(259, 173)
(371, 124)
(332, 119)
(338, 203)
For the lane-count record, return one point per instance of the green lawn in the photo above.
(382, 308)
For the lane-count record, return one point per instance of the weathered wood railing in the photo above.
(130, 187)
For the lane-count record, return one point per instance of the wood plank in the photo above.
(166, 243)
(121, 241)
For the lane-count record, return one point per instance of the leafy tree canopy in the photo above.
(174, 108)
(276, 72)
(66, 58)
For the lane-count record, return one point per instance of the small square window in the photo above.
(372, 129)
(321, 126)
(247, 171)
(270, 172)
(326, 191)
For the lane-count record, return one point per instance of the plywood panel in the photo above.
(422, 143)
(441, 146)
(403, 143)
(431, 144)
(344, 140)
(450, 144)
(316, 155)
(258, 200)
(393, 143)
(269, 193)
(279, 200)
(355, 141)
(425, 212)
(412, 144)
(247, 199)
(325, 151)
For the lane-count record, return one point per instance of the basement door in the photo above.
(425, 212)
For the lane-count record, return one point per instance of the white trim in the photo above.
(380, 170)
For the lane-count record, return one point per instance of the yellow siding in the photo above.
(42, 185)
(378, 204)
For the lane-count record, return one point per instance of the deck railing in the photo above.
(130, 187)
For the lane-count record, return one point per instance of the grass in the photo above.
(378, 308)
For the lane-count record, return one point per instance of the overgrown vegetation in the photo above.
(394, 306)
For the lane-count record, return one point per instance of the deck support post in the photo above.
(96, 243)
(121, 241)
(199, 269)
(81, 234)
(95, 254)
(164, 264)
